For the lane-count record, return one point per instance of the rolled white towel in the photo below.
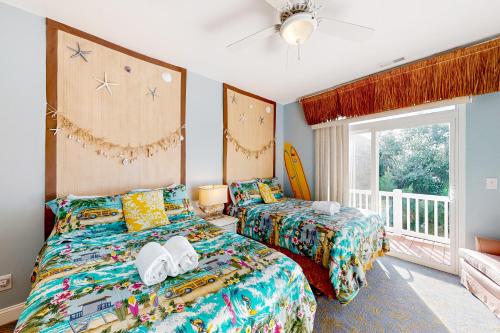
(184, 256)
(327, 207)
(154, 264)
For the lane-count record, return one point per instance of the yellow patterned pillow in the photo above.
(144, 210)
(266, 193)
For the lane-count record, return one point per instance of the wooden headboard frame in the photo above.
(227, 87)
(51, 93)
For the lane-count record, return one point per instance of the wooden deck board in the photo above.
(423, 249)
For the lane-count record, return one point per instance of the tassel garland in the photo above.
(249, 153)
(126, 153)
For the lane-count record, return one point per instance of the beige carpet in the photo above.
(408, 298)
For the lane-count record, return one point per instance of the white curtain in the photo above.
(332, 163)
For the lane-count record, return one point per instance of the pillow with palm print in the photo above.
(275, 186)
(245, 193)
(78, 213)
(177, 203)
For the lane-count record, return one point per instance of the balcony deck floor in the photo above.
(423, 249)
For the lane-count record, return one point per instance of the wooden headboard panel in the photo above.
(250, 126)
(112, 125)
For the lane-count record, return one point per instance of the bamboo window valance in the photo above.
(472, 70)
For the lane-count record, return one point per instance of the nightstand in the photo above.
(225, 222)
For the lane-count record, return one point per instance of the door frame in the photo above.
(452, 112)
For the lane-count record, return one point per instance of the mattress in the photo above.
(86, 281)
(346, 243)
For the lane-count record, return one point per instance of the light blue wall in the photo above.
(22, 109)
(204, 123)
(300, 135)
(482, 161)
(280, 137)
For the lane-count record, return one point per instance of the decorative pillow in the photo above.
(78, 213)
(274, 185)
(53, 205)
(245, 193)
(144, 210)
(176, 202)
(265, 192)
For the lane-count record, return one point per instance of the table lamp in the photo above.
(212, 199)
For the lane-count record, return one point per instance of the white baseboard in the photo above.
(421, 262)
(11, 313)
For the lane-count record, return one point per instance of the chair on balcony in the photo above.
(480, 272)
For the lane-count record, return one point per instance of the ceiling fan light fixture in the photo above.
(298, 28)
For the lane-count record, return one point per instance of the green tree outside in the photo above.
(416, 160)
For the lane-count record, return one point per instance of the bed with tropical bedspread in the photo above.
(346, 243)
(85, 281)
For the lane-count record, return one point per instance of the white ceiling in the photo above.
(194, 34)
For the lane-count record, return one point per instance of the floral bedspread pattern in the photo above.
(345, 243)
(86, 281)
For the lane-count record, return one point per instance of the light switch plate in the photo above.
(491, 183)
(5, 282)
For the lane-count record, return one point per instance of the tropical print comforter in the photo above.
(86, 281)
(345, 243)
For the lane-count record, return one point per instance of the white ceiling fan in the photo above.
(299, 19)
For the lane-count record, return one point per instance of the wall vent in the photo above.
(392, 62)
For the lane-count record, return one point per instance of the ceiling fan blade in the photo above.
(277, 4)
(321, 4)
(264, 33)
(345, 30)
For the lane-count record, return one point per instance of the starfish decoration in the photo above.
(243, 117)
(56, 130)
(79, 52)
(233, 99)
(261, 120)
(106, 84)
(153, 93)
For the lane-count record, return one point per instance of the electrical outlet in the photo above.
(491, 183)
(5, 282)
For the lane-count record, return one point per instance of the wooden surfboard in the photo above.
(295, 172)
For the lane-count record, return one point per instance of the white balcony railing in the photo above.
(417, 215)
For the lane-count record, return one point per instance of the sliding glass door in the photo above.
(404, 167)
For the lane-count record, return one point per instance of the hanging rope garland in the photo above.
(246, 151)
(127, 154)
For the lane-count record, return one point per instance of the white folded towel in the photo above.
(328, 207)
(184, 256)
(154, 263)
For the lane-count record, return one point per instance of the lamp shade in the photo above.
(212, 195)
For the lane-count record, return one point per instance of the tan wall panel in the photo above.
(250, 134)
(127, 117)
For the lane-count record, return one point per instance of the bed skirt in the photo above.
(317, 275)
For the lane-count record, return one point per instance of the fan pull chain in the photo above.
(298, 52)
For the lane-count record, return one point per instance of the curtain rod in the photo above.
(476, 42)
